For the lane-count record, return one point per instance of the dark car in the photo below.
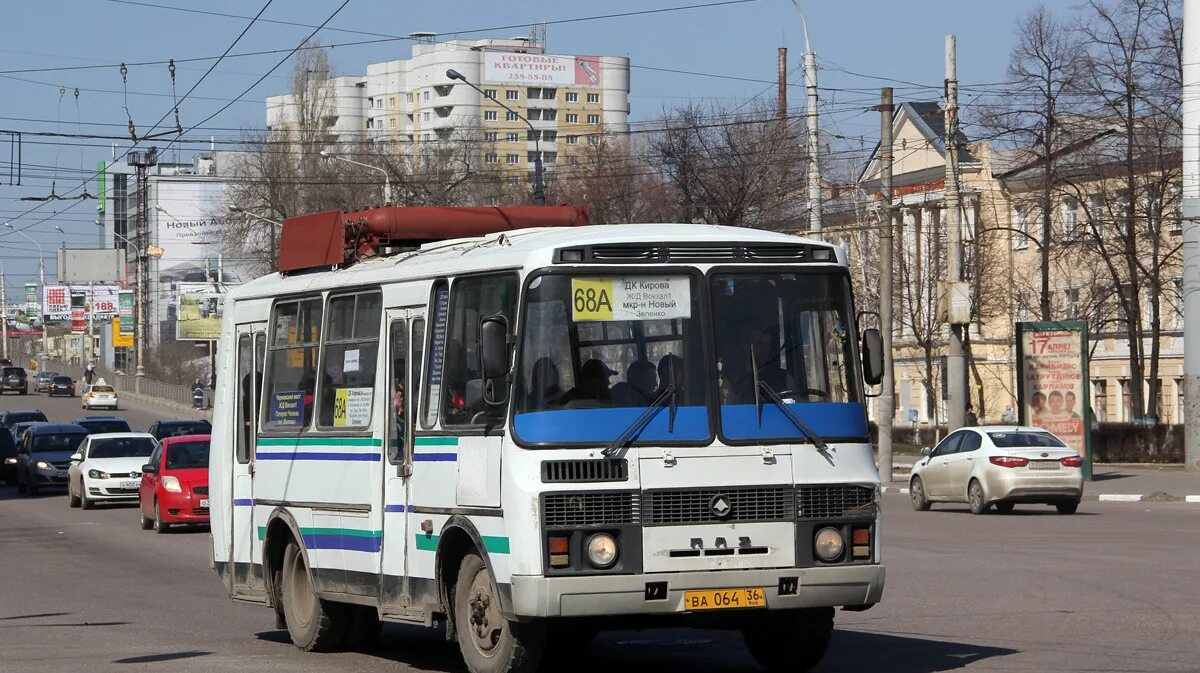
(14, 379)
(11, 418)
(44, 455)
(163, 429)
(8, 457)
(96, 425)
(61, 385)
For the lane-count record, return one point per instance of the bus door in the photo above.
(406, 340)
(244, 552)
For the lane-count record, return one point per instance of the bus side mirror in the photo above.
(872, 355)
(493, 347)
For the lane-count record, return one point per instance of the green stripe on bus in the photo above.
(349, 532)
(435, 441)
(320, 441)
(492, 543)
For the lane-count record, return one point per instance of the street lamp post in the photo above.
(387, 179)
(276, 224)
(42, 283)
(539, 188)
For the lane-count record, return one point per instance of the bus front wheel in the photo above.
(489, 642)
(315, 625)
(793, 641)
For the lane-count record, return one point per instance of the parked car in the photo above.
(174, 485)
(61, 385)
(179, 428)
(41, 383)
(11, 418)
(1001, 466)
(100, 395)
(44, 455)
(14, 379)
(103, 424)
(8, 457)
(108, 468)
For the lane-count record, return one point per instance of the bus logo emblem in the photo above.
(720, 506)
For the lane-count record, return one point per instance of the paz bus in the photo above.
(529, 429)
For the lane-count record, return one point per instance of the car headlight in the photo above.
(43, 465)
(602, 550)
(97, 474)
(171, 484)
(829, 544)
(10, 461)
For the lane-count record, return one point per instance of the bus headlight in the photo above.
(829, 544)
(602, 550)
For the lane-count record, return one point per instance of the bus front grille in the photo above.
(831, 500)
(590, 508)
(719, 505)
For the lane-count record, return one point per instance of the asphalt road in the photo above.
(1112, 588)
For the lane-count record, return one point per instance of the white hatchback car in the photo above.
(1000, 465)
(108, 468)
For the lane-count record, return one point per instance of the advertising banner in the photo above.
(198, 311)
(1054, 387)
(544, 69)
(78, 311)
(60, 305)
(31, 299)
(119, 338)
(125, 312)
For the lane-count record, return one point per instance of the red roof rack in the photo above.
(339, 238)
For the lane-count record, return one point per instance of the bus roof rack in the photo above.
(337, 238)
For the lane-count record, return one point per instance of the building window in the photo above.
(1175, 299)
(533, 93)
(510, 137)
(1100, 400)
(1179, 400)
(532, 157)
(549, 115)
(425, 137)
(593, 140)
(489, 115)
(512, 117)
(572, 118)
(1071, 303)
(391, 122)
(549, 136)
(533, 115)
(571, 97)
(1070, 219)
(549, 94)
(490, 158)
(370, 102)
(425, 96)
(489, 93)
(408, 98)
(1020, 234)
(370, 123)
(511, 95)
(593, 119)
(550, 158)
(593, 98)
(490, 136)
(391, 101)
(1126, 400)
(572, 140)
(424, 116)
(531, 136)
(512, 159)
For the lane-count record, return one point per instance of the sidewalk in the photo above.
(1111, 483)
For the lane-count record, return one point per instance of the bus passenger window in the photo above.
(347, 385)
(398, 425)
(473, 299)
(245, 379)
(292, 377)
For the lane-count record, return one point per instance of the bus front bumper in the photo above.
(594, 596)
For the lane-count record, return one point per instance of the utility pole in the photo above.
(814, 164)
(4, 311)
(781, 83)
(1191, 234)
(142, 161)
(956, 380)
(887, 400)
(90, 351)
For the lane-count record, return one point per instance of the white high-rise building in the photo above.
(569, 100)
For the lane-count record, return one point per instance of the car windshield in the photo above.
(64, 441)
(62, 380)
(788, 337)
(597, 351)
(184, 455)
(23, 417)
(179, 429)
(103, 389)
(121, 447)
(48, 375)
(1021, 440)
(99, 427)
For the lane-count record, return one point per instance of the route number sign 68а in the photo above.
(631, 298)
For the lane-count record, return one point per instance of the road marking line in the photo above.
(1192, 498)
(1120, 497)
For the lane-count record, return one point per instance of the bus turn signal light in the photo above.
(560, 556)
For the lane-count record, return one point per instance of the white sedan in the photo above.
(108, 468)
(1001, 466)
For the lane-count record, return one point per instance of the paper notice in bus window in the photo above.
(352, 406)
(287, 409)
(631, 298)
(350, 364)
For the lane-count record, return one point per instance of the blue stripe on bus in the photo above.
(604, 425)
(435, 457)
(324, 455)
(344, 542)
(243, 502)
(398, 508)
(827, 419)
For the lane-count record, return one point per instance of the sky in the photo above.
(861, 45)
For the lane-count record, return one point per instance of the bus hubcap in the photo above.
(485, 620)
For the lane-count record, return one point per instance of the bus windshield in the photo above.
(597, 351)
(786, 339)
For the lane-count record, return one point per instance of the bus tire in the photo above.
(490, 643)
(792, 641)
(314, 624)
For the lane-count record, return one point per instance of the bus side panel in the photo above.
(221, 453)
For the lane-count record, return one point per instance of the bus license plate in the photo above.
(720, 599)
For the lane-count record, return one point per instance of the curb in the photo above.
(180, 410)
(1102, 497)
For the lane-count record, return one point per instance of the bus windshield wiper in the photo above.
(761, 388)
(644, 419)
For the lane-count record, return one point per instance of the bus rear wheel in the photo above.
(489, 642)
(315, 625)
(792, 641)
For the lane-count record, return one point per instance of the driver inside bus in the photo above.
(592, 386)
(760, 349)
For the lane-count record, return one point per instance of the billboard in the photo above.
(31, 299)
(85, 265)
(502, 67)
(58, 301)
(1054, 390)
(198, 311)
(120, 339)
(125, 312)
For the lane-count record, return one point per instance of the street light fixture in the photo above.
(539, 189)
(387, 178)
(42, 282)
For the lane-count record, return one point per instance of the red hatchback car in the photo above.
(174, 485)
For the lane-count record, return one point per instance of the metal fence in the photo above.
(128, 382)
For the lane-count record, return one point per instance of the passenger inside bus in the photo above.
(638, 388)
(545, 388)
(670, 370)
(592, 389)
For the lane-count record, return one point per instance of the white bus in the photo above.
(524, 433)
